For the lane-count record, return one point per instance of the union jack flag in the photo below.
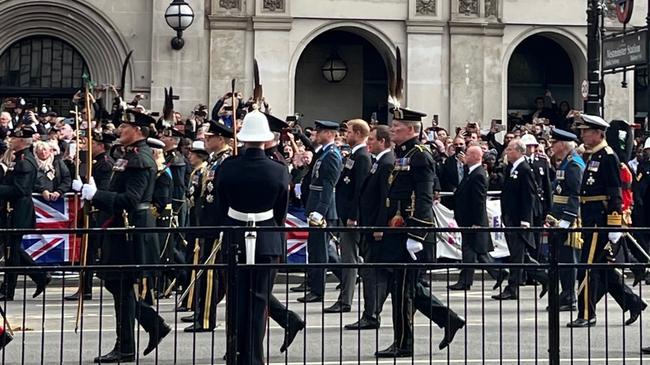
(48, 248)
(296, 241)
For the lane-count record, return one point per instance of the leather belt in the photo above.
(250, 217)
(594, 198)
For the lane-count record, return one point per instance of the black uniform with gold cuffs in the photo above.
(409, 203)
(210, 289)
(600, 206)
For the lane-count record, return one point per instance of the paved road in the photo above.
(497, 333)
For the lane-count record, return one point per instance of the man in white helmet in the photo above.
(253, 190)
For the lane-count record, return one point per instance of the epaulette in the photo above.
(609, 150)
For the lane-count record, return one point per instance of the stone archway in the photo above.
(85, 28)
(557, 52)
(364, 90)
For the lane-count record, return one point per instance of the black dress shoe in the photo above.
(115, 356)
(156, 337)
(568, 307)
(543, 291)
(196, 328)
(450, 331)
(338, 307)
(189, 319)
(310, 298)
(505, 295)
(291, 333)
(503, 277)
(394, 351)
(75, 297)
(458, 286)
(645, 350)
(304, 287)
(582, 323)
(182, 309)
(636, 312)
(41, 286)
(364, 323)
(6, 298)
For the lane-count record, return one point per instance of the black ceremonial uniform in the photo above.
(161, 206)
(192, 250)
(409, 203)
(253, 187)
(129, 197)
(566, 206)
(211, 286)
(175, 161)
(16, 190)
(600, 198)
(641, 208)
(541, 172)
(102, 172)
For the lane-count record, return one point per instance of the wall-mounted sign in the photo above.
(625, 50)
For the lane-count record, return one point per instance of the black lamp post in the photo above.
(179, 16)
(593, 102)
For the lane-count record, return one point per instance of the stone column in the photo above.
(272, 25)
(426, 60)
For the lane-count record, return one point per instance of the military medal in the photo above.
(210, 186)
(593, 166)
(349, 163)
(346, 179)
(120, 165)
(558, 189)
(590, 180)
(209, 198)
(560, 174)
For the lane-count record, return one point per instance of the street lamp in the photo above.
(334, 70)
(179, 16)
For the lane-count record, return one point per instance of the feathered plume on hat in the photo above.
(168, 109)
(395, 82)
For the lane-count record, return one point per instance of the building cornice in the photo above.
(476, 28)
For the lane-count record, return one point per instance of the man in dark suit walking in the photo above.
(471, 211)
(355, 169)
(373, 212)
(517, 202)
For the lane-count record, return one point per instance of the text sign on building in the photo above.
(625, 50)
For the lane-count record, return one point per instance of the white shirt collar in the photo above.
(356, 148)
(318, 148)
(473, 167)
(516, 163)
(378, 157)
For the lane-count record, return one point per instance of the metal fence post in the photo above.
(231, 297)
(553, 303)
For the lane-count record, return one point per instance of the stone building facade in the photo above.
(456, 53)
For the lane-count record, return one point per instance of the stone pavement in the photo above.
(513, 332)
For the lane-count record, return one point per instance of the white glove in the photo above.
(77, 184)
(316, 217)
(563, 224)
(88, 190)
(413, 247)
(614, 236)
(525, 224)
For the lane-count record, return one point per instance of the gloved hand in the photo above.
(88, 190)
(413, 247)
(611, 249)
(614, 236)
(563, 224)
(77, 184)
(315, 219)
(525, 224)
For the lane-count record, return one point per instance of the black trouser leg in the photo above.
(18, 257)
(280, 314)
(427, 303)
(375, 291)
(124, 302)
(516, 246)
(402, 298)
(318, 253)
(466, 276)
(588, 279)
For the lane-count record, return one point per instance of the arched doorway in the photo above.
(540, 63)
(363, 92)
(43, 70)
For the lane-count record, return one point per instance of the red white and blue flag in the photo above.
(296, 241)
(52, 248)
